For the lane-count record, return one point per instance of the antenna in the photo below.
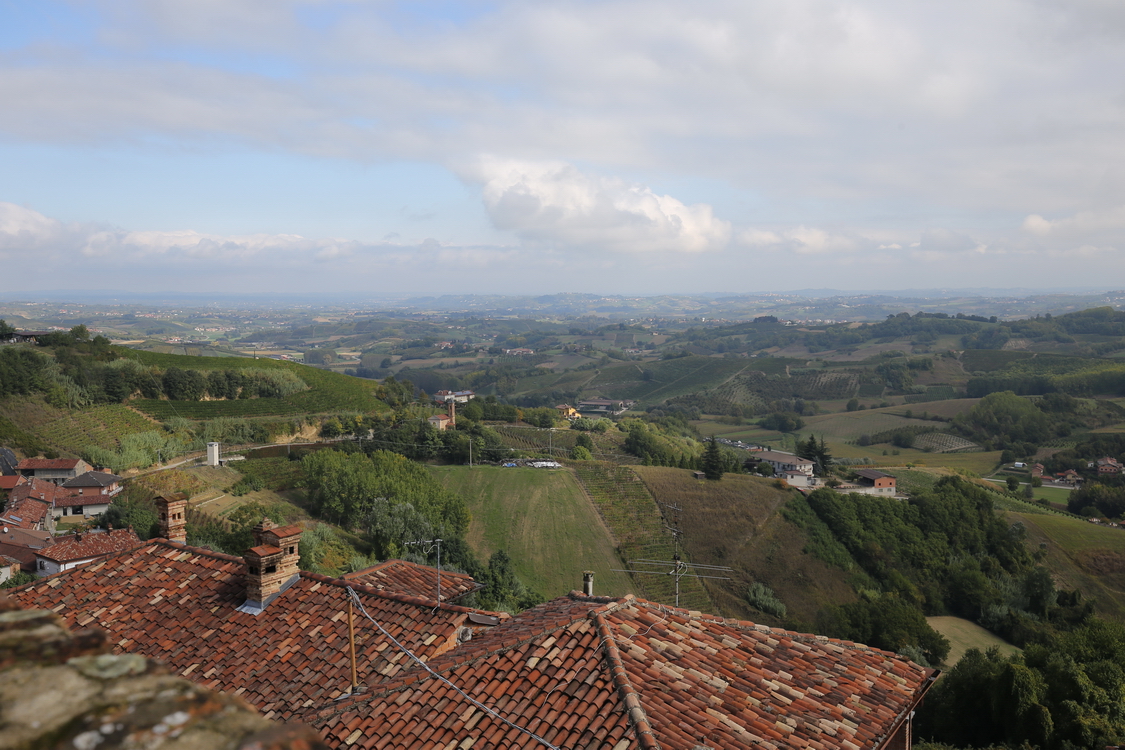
(427, 545)
(680, 569)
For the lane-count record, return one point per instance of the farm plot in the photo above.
(72, 431)
(850, 425)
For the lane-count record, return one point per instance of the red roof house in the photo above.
(79, 549)
(414, 579)
(584, 671)
(53, 469)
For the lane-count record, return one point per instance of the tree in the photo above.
(853, 404)
(1013, 484)
(5, 330)
(713, 461)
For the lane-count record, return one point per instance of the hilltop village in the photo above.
(584, 533)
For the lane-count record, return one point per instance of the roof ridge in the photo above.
(197, 550)
(638, 717)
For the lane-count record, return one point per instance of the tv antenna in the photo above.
(428, 545)
(679, 568)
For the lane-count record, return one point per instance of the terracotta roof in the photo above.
(68, 501)
(93, 479)
(417, 580)
(8, 481)
(37, 489)
(48, 463)
(626, 673)
(25, 512)
(90, 545)
(180, 604)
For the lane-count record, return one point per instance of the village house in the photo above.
(82, 548)
(56, 470)
(519, 352)
(782, 462)
(9, 568)
(1107, 466)
(88, 495)
(22, 544)
(29, 506)
(1070, 476)
(441, 421)
(566, 411)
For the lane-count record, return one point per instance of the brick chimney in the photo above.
(271, 564)
(173, 524)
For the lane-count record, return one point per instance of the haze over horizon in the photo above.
(429, 148)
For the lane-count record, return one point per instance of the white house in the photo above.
(782, 462)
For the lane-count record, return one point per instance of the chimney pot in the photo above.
(588, 582)
(171, 511)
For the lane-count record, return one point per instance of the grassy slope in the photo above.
(544, 521)
(1082, 555)
(735, 522)
(964, 635)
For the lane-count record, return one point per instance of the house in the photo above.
(100, 483)
(1037, 470)
(784, 462)
(1070, 476)
(9, 483)
(29, 506)
(85, 547)
(566, 411)
(460, 397)
(9, 568)
(876, 482)
(603, 672)
(441, 421)
(605, 405)
(1108, 466)
(797, 479)
(252, 625)
(56, 470)
(85, 506)
(519, 352)
(22, 544)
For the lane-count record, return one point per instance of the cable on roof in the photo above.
(466, 696)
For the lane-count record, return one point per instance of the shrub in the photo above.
(761, 597)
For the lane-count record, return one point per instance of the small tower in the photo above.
(173, 524)
(452, 413)
(271, 564)
(212, 454)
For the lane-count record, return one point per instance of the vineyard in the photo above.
(752, 391)
(71, 431)
(934, 393)
(989, 360)
(940, 442)
(632, 515)
(254, 407)
(529, 439)
(328, 392)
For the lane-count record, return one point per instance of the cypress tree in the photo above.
(713, 461)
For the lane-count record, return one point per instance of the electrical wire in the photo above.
(363, 610)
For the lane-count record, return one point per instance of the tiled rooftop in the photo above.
(48, 463)
(419, 580)
(180, 604)
(606, 673)
(90, 545)
(93, 479)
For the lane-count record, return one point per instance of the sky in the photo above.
(377, 147)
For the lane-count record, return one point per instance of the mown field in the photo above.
(1084, 556)
(328, 392)
(964, 635)
(544, 521)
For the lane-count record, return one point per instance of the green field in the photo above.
(544, 521)
(964, 635)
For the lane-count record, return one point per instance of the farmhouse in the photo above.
(460, 397)
(57, 470)
(784, 462)
(100, 483)
(876, 482)
(1108, 466)
(566, 411)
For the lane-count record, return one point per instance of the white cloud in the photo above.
(801, 240)
(555, 204)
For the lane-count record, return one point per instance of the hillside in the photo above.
(543, 520)
(736, 522)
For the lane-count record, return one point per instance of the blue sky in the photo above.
(611, 146)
